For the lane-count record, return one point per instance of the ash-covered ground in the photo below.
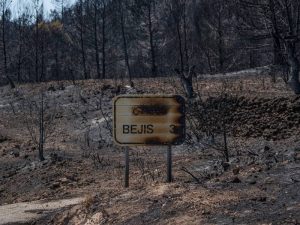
(259, 185)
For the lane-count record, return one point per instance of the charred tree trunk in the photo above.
(277, 51)
(220, 44)
(42, 130)
(187, 82)
(180, 46)
(37, 47)
(125, 49)
(82, 41)
(226, 152)
(19, 54)
(151, 41)
(43, 60)
(104, 41)
(12, 84)
(96, 40)
(207, 54)
(185, 38)
(56, 62)
(294, 67)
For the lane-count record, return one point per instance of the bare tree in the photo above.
(186, 79)
(39, 114)
(21, 24)
(176, 9)
(122, 10)
(60, 5)
(214, 29)
(81, 28)
(4, 12)
(41, 129)
(104, 38)
(38, 14)
(211, 118)
(97, 59)
(280, 21)
(145, 13)
(150, 9)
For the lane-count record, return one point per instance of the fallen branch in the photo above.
(192, 175)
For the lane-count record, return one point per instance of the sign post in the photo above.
(169, 164)
(126, 180)
(145, 120)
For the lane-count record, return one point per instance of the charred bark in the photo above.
(294, 67)
(187, 81)
(12, 84)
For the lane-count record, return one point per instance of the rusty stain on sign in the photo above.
(149, 120)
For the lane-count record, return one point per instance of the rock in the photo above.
(3, 138)
(72, 177)
(226, 165)
(259, 169)
(236, 171)
(56, 158)
(269, 180)
(236, 180)
(253, 170)
(54, 185)
(295, 179)
(64, 180)
(51, 88)
(259, 199)
(297, 156)
(251, 181)
(97, 218)
(15, 152)
(10, 174)
(107, 87)
(45, 162)
(205, 212)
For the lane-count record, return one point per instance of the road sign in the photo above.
(149, 120)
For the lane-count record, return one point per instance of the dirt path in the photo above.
(26, 212)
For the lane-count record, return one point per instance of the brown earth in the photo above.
(271, 118)
(260, 185)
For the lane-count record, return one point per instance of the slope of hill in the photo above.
(260, 184)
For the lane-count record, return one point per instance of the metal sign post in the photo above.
(126, 180)
(169, 164)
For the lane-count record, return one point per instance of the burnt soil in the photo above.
(260, 184)
(271, 118)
